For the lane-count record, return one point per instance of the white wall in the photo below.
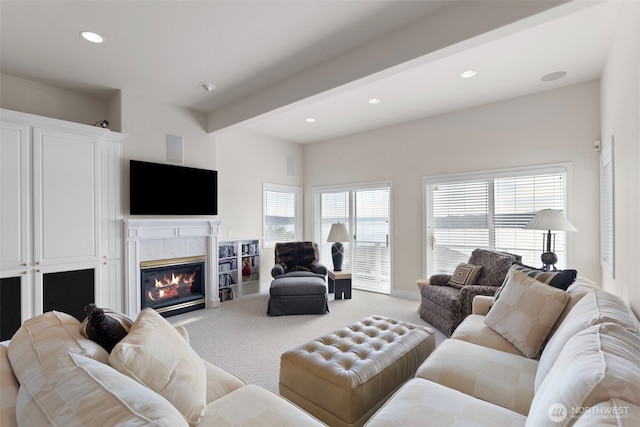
(245, 161)
(549, 127)
(36, 98)
(621, 120)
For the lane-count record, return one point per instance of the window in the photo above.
(282, 214)
(366, 211)
(489, 210)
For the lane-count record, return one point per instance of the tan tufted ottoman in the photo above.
(343, 377)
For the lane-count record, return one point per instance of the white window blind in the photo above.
(464, 212)
(366, 211)
(282, 214)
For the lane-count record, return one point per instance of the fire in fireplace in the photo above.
(173, 286)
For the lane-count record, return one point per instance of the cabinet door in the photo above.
(15, 191)
(65, 175)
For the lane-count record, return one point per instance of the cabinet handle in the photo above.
(37, 262)
(24, 264)
(38, 270)
(24, 273)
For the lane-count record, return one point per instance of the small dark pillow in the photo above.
(560, 279)
(105, 326)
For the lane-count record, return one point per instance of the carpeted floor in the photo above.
(240, 338)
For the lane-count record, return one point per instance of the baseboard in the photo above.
(406, 294)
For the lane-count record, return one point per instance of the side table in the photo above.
(340, 283)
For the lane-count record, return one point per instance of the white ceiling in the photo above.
(164, 49)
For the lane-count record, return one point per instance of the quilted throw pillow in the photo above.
(105, 326)
(526, 312)
(157, 356)
(465, 274)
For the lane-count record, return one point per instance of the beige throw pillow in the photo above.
(526, 312)
(157, 356)
(465, 274)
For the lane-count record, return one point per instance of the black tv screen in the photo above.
(159, 189)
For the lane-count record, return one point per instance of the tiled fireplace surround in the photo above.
(157, 239)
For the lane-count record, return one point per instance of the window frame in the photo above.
(492, 174)
(298, 216)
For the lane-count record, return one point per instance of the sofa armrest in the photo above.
(468, 293)
(481, 304)
(277, 270)
(321, 269)
(220, 382)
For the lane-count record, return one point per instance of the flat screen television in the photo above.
(160, 189)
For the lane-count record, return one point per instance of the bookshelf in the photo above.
(238, 268)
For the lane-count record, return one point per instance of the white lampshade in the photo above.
(338, 233)
(550, 219)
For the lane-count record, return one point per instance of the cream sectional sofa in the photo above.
(587, 374)
(51, 375)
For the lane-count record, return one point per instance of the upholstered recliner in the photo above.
(445, 300)
(299, 281)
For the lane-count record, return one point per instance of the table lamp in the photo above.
(337, 234)
(549, 219)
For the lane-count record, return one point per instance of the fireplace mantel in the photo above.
(154, 239)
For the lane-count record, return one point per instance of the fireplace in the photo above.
(173, 286)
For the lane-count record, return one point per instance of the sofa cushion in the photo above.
(597, 364)
(220, 382)
(492, 375)
(157, 356)
(594, 308)
(420, 402)
(475, 331)
(495, 266)
(251, 406)
(46, 336)
(105, 326)
(464, 275)
(8, 390)
(526, 312)
(73, 390)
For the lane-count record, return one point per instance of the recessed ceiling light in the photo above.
(467, 74)
(206, 86)
(374, 101)
(92, 37)
(553, 76)
(310, 120)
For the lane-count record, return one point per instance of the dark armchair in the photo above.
(445, 300)
(299, 281)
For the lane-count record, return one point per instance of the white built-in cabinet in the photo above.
(60, 205)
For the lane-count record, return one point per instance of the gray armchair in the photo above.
(445, 304)
(299, 281)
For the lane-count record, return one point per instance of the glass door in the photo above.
(366, 211)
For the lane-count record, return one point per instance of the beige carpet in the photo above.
(240, 338)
